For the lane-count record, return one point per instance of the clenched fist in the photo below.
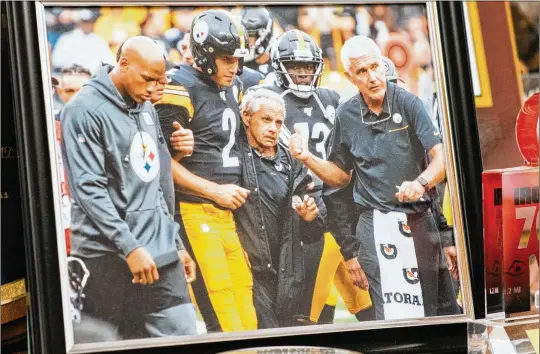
(298, 147)
(230, 196)
(410, 191)
(182, 140)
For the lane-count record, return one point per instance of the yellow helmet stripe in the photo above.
(239, 29)
(301, 42)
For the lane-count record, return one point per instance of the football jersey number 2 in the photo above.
(229, 122)
(318, 129)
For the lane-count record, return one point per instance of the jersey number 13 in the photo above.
(318, 130)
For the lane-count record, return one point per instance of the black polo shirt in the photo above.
(387, 153)
(273, 179)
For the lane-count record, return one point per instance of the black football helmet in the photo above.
(297, 46)
(259, 25)
(214, 33)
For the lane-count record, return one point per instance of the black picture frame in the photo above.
(45, 318)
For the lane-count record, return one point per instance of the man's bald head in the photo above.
(141, 68)
(141, 48)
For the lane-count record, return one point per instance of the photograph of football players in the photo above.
(204, 98)
(278, 215)
(121, 228)
(383, 133)
(298, 64)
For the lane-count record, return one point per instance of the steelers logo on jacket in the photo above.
(404, 229)
(388, 250)
(411, 275)
(143, 156)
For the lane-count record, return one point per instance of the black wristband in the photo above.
(423, 182)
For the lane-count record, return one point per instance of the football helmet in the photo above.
(295, 46)
(214, 33)
(259, 25)
(390, 70)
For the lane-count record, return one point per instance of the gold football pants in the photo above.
(333, 272)
(222, 263)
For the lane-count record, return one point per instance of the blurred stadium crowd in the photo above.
(88, 36)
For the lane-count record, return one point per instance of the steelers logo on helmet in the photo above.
(215, 33)
(411, 275)
(404, 229)
(331, 113)
(200, 31)
(388, 250)
(143, 156)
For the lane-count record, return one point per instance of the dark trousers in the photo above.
(437, 288)
(265, 302)
(138, 311)
(312, 260)
(264, 299)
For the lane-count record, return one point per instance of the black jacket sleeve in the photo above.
(314, 230)
(342, 218)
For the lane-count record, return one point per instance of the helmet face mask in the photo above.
(260, 27)
(296, 47)
(301, 83)
(216, 33)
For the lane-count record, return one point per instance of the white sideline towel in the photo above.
(400, 283)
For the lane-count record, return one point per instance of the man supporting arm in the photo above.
(328, 171)
(228, 196)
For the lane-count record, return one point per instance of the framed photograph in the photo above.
(207, 177)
